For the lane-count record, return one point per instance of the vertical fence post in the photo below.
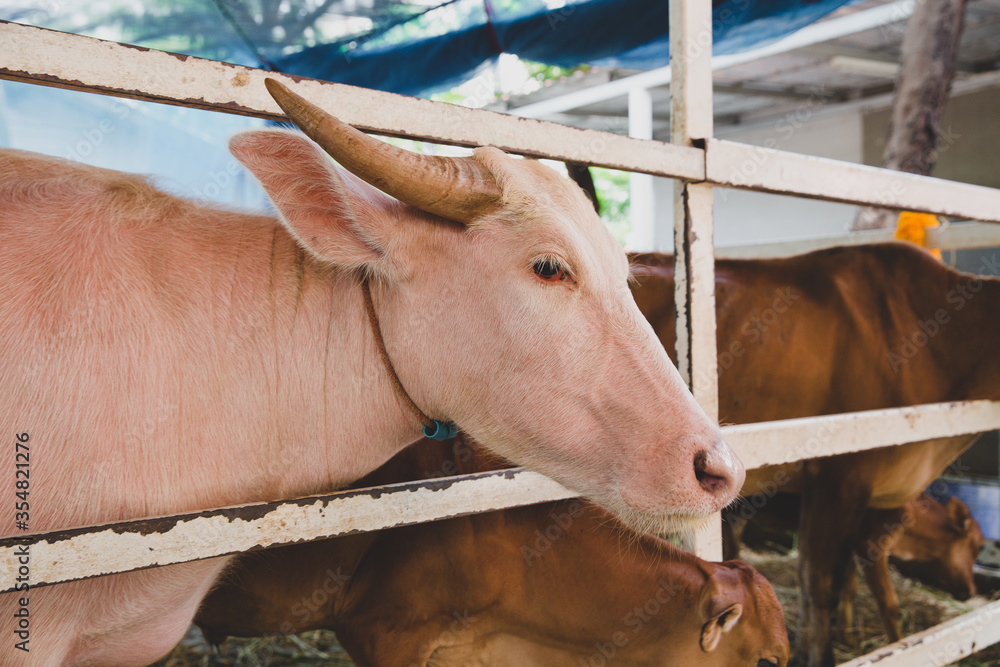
(694, 260)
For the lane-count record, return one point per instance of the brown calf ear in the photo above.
(711, 632)
(332, 214)
(959, 516)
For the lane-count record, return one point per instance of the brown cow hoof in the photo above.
(849, 637)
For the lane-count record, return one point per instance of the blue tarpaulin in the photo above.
(622, 33)
(410, 46)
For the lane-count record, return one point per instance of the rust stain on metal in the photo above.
(33, 76)
(137, 94)
(254, 512)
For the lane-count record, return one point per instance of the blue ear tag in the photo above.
(441, 430)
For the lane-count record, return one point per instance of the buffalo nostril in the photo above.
(711, 483)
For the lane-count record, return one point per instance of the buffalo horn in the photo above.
(458, 188)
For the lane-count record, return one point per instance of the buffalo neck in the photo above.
(335, 400)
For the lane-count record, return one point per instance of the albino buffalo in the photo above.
(163, 356)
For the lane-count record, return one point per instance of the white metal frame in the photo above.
(695, 158)
(812, 34)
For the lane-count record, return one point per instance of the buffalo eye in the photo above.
(550, 270)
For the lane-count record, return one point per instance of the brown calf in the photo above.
(558, 584)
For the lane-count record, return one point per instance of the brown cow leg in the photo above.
(888, 603)
(833, 507)
(883, 529)
(846, 631)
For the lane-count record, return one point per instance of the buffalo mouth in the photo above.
(662, 523)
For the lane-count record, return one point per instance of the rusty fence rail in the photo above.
(37, 55)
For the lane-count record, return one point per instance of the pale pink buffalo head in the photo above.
(505, 307)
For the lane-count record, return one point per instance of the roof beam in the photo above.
(875, 97)
(816, 33)
(834, 50)
(787, 92)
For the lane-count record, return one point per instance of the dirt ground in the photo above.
(921, 609)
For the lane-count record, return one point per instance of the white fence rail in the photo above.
(66, 555)
(941, 645)
(39, 56)
(774, 443)
(765, 170)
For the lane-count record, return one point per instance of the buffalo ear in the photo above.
(718, 625)
(959, 516)
(330, 212)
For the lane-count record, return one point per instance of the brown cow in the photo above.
(147, 343)
(553, 585)
(933, 543)
(842, 330)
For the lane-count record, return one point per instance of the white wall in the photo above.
(749, 217)
(184, 150)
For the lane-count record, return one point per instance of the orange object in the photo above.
(913, 227)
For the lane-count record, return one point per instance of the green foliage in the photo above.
(452, 96)
(543, 72)
(612, 190)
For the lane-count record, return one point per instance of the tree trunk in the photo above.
(930, 49)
